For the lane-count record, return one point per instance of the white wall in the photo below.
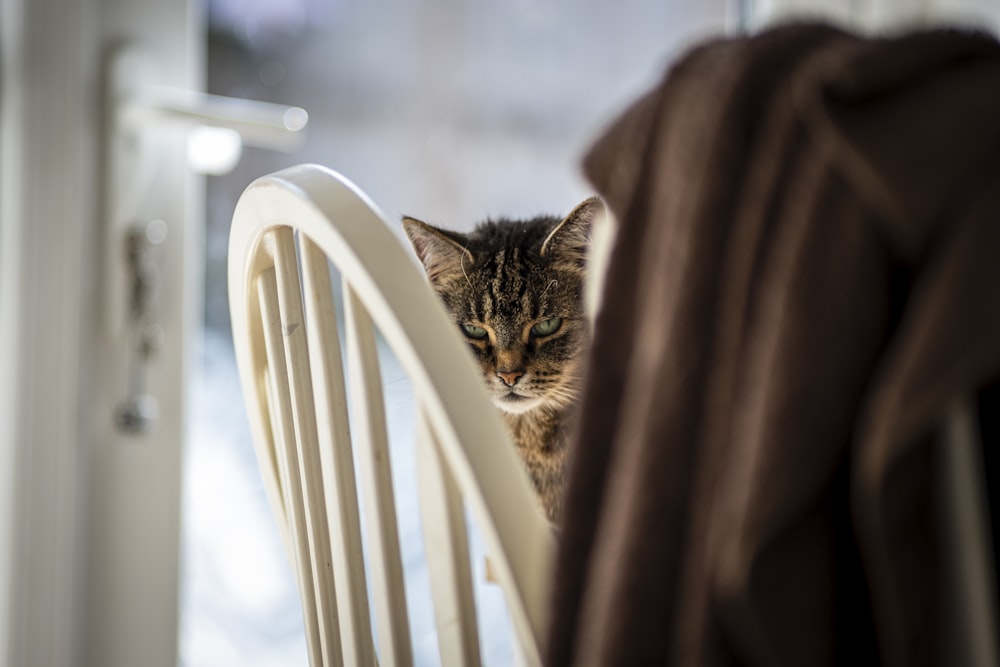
(47, 194)
(88, 519)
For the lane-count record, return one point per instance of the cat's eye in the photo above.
(472, 331)
(547, 327)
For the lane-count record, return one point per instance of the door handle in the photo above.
(260, 124)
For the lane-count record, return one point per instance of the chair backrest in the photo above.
(287, 229)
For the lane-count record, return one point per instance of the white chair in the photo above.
(286, 228)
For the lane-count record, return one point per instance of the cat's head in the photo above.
(515, 290)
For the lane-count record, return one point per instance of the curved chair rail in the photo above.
(285, 227)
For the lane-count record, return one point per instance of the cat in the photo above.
(515, 289)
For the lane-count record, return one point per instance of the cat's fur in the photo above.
(505, 284)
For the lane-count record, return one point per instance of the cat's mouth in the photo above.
(516, 403)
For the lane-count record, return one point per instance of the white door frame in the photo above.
(89, 518)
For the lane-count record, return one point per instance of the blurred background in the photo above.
(447, 110)
(142, 537)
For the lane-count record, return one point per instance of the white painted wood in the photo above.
(337, 459)
(878, 15)
(849, 13)
(968, 558)
(309, 470)
(43, 328)
(89, 521)
(133, 564)
(287, 459)
(385, 288)
(447, 545)
(387, 585)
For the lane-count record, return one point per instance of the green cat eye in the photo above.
(547, 327)
(472, 331)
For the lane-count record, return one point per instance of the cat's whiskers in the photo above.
(561, 395)
(462, 264)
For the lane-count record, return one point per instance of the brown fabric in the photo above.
(804, 281)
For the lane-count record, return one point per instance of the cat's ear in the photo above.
(442, 253)
(569, 241)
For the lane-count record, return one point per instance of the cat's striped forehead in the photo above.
(506, 289)
(510, 284)
(507, 274)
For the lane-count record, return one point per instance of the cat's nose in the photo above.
(509, 377)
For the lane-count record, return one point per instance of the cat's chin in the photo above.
(516, 404)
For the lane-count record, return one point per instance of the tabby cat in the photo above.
(515, 290)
